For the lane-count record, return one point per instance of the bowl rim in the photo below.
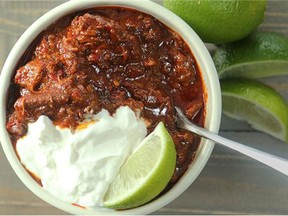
(205, 63)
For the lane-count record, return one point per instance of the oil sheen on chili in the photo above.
(104, 58)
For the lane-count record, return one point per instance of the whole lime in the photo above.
(220, 21)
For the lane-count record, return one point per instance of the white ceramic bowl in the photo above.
(213, 106)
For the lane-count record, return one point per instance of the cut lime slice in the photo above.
(261, 54)
(258, 104)
(145, 173)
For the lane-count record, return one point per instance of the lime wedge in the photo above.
(145, 173)
(261, 54)
(258, 104)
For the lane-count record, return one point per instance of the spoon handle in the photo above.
(272, 161)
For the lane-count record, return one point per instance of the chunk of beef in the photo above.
(29, 75)
(193, 108)
(35, 104)
(90, 29)
(15, 126)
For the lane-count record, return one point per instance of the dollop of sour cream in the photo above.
(79, 167)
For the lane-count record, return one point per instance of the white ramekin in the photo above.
(213, 106)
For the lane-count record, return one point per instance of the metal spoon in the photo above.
(277, 163)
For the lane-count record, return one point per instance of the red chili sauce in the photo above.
(103, 58)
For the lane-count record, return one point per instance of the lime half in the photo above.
(258, 104)
(145, 173)
(261, 54)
